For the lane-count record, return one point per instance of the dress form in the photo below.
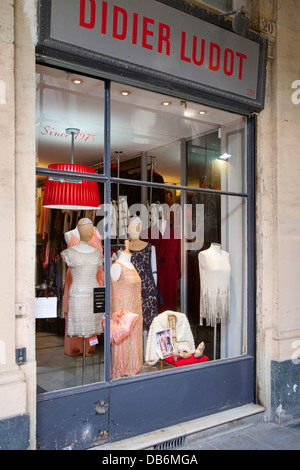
(125, 259)
(85, 229)
(84, 262)
(214, 268)
(143, 257)
(136, 244)
(73, 346)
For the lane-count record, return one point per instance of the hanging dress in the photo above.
(141, 259)
(127, 356)
(167, 248)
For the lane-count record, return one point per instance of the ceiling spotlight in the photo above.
(202, 112)
(77, 81)
(166, 103)
(125, 93)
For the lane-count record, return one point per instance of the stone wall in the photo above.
(17, 195)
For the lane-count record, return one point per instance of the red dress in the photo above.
(167, 248)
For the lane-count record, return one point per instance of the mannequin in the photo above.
(126, 356)
(214, 267)
(85, 229)
(143, 257)
(84, 261)
(136, 244)
(73, 346)
(125, 260)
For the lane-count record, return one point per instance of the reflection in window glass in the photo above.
(69, 102)
(216, 160)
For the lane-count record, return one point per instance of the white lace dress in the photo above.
(82, 321)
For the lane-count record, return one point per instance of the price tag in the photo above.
(93, 341)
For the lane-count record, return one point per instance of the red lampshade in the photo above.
(74, 196)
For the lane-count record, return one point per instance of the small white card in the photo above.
(93, 341)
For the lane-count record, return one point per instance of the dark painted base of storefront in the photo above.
(95, 415)
(285, 390)
(14, 433)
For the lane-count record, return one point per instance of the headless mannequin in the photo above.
(136, 244)
(214, 266)
(125, 259)
(214, 252)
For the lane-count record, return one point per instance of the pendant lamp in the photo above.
(74, 194)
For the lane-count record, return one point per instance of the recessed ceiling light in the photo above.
(166, 103)
(125, 93)
(77, 81)
(202, 112)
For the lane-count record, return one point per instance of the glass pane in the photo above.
(69, 281)
(217, 159)
(217, 274)
(69, 258)
(145, 132)
(146, 279)
(179, 143)
(69, 107)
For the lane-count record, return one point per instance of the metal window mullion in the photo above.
(176, 187)
(183, 260)
(107, 215)
(251, 237)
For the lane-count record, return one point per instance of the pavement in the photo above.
(242, 428)
(262, 436)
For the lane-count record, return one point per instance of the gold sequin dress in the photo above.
(127, 356)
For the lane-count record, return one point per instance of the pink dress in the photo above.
(127, 356)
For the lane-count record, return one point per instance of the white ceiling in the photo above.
(139, 122)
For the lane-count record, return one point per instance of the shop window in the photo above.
(178, 221)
